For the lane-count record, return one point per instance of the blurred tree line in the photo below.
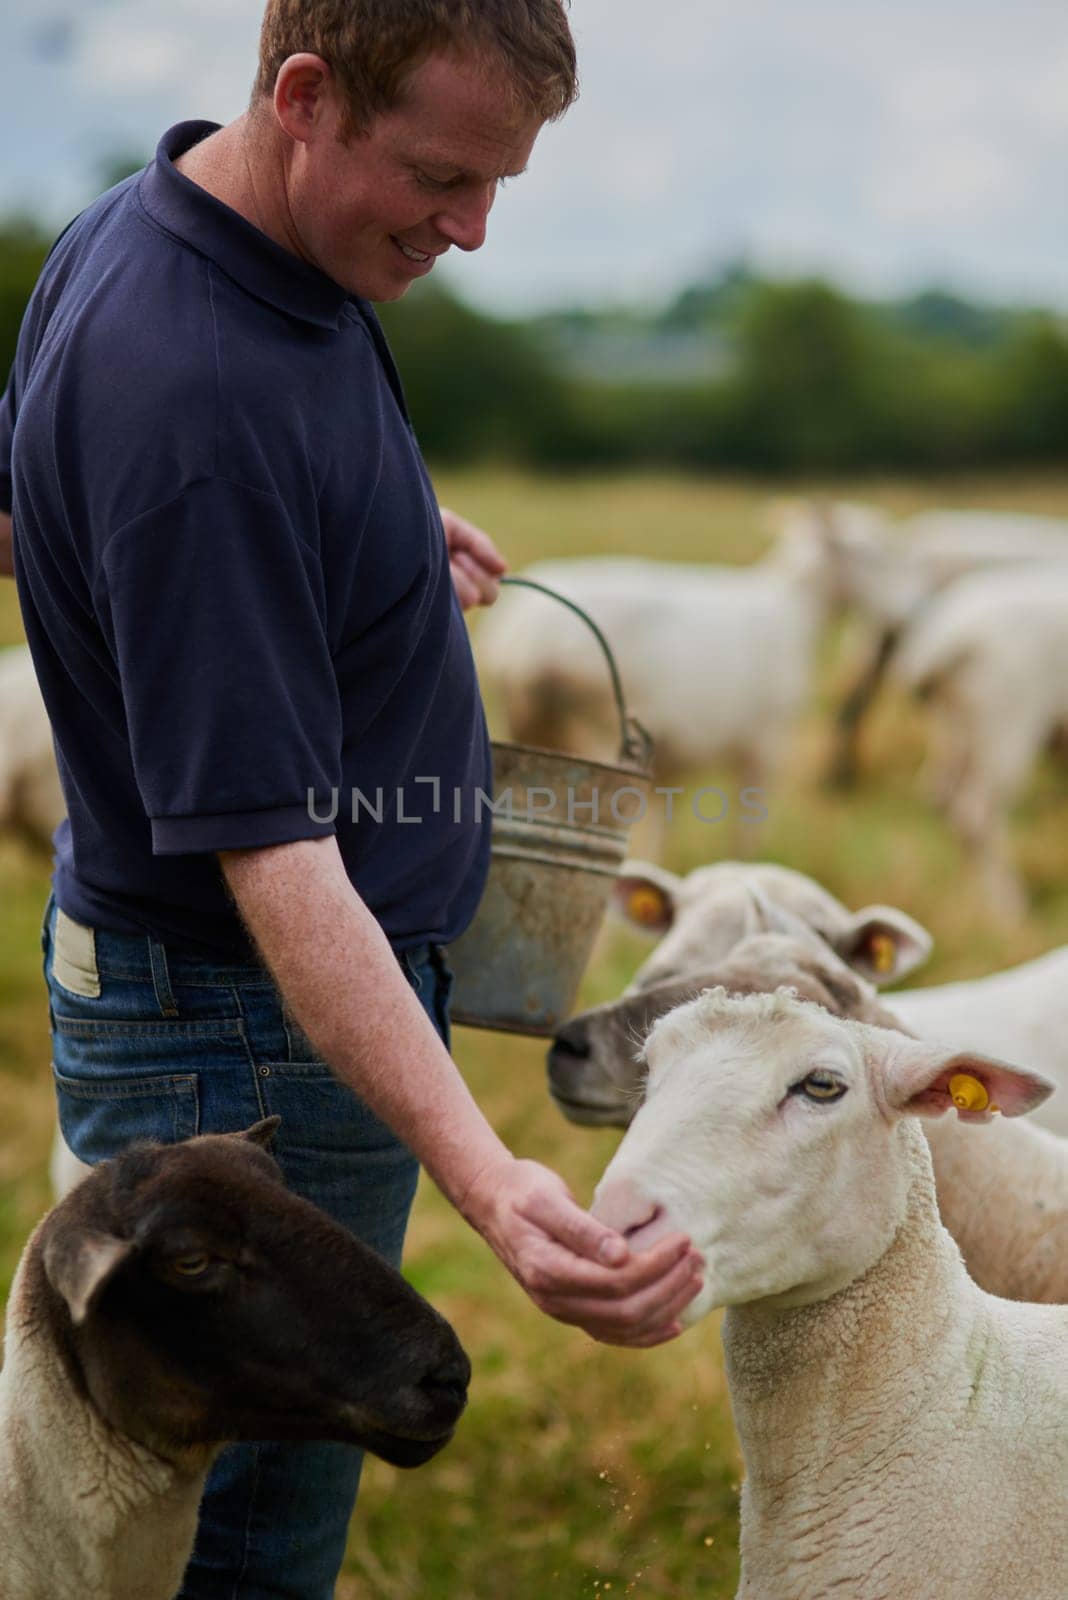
(739, 372)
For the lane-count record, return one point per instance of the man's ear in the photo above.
(645, 895)
(302, 91)
(80, 1262)
(883, 944)
(925, 1079)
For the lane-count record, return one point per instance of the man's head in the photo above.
(373, 46)
(401, 119)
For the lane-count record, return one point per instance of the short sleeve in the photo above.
(214, 610)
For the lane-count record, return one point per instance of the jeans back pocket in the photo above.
(101, 1116)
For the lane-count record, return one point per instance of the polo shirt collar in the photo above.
(255, 262)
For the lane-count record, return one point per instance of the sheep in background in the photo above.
(699, 918)
(989, 656)
(889, 570)
(31, 801)
(716, 661)
(123, 1377)
(904, 1433)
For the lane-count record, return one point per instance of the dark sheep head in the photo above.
(197, 1301)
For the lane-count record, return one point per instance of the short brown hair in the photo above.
(372, 46)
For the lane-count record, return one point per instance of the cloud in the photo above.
(885, 142)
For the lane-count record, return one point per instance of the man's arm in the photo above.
(7, 552)
(342, 981)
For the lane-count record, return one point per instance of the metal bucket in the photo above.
(560, 830)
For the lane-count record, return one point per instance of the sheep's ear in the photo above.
(883, 944)
(261, 1133)
(927, 1079)
(80, 1262)
(645, 896)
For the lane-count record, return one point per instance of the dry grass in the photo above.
(581, 1471)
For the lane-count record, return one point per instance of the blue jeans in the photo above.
(173, 1045)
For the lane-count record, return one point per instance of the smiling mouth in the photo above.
(420, 257)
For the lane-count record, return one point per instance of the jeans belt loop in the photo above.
(161, 979)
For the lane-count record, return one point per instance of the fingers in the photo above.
(475, 586)
(462, 537)
(554, 1211)
(635, 1305)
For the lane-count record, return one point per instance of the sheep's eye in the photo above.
(822, 1086)
(191, 1266)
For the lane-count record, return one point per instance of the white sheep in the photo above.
(31, 800)
(1021, 1013)
(700, 917)
(990, 658)
(110, 1416)
(1002, 1196)
(716, 661)
(887, 568)
(905, 1434)
(887, 571)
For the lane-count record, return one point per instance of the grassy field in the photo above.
(579, 1470)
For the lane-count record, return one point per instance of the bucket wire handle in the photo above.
(635, 741)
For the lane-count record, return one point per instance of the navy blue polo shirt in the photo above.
(233, 576)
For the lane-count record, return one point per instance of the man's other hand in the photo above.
(475, 561)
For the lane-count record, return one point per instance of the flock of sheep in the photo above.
(888, 1233)
(888, 1236)
(896, 1289)
(967, 610)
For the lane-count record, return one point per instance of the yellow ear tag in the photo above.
(882, 951)
(968, 1094)
(645, 905)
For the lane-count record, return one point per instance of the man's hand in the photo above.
(573, 1267)
(475, 561)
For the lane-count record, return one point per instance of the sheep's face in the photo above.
(206, 1303)
(596, 1063)
(699, 919)
(771, 1133)
(704, 923)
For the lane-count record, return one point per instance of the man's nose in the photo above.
(463, 220)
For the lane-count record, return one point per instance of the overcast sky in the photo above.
(889, 143)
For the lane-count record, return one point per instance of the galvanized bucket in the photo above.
(560, 828)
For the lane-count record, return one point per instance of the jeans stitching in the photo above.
(222, 1028)
(129, 1089)
(247, 1537)
(251, 1054)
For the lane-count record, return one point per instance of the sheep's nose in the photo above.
(621, 1204)
(449, 1380)
(571, 1041)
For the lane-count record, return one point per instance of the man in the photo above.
(237, 593)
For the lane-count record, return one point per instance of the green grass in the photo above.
(581, 1471)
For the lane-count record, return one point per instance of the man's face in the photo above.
(374, 214)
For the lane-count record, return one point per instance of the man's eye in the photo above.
(822, 1086)
(437, 184)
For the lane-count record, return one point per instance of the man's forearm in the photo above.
(342, 982)
(7, 552)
